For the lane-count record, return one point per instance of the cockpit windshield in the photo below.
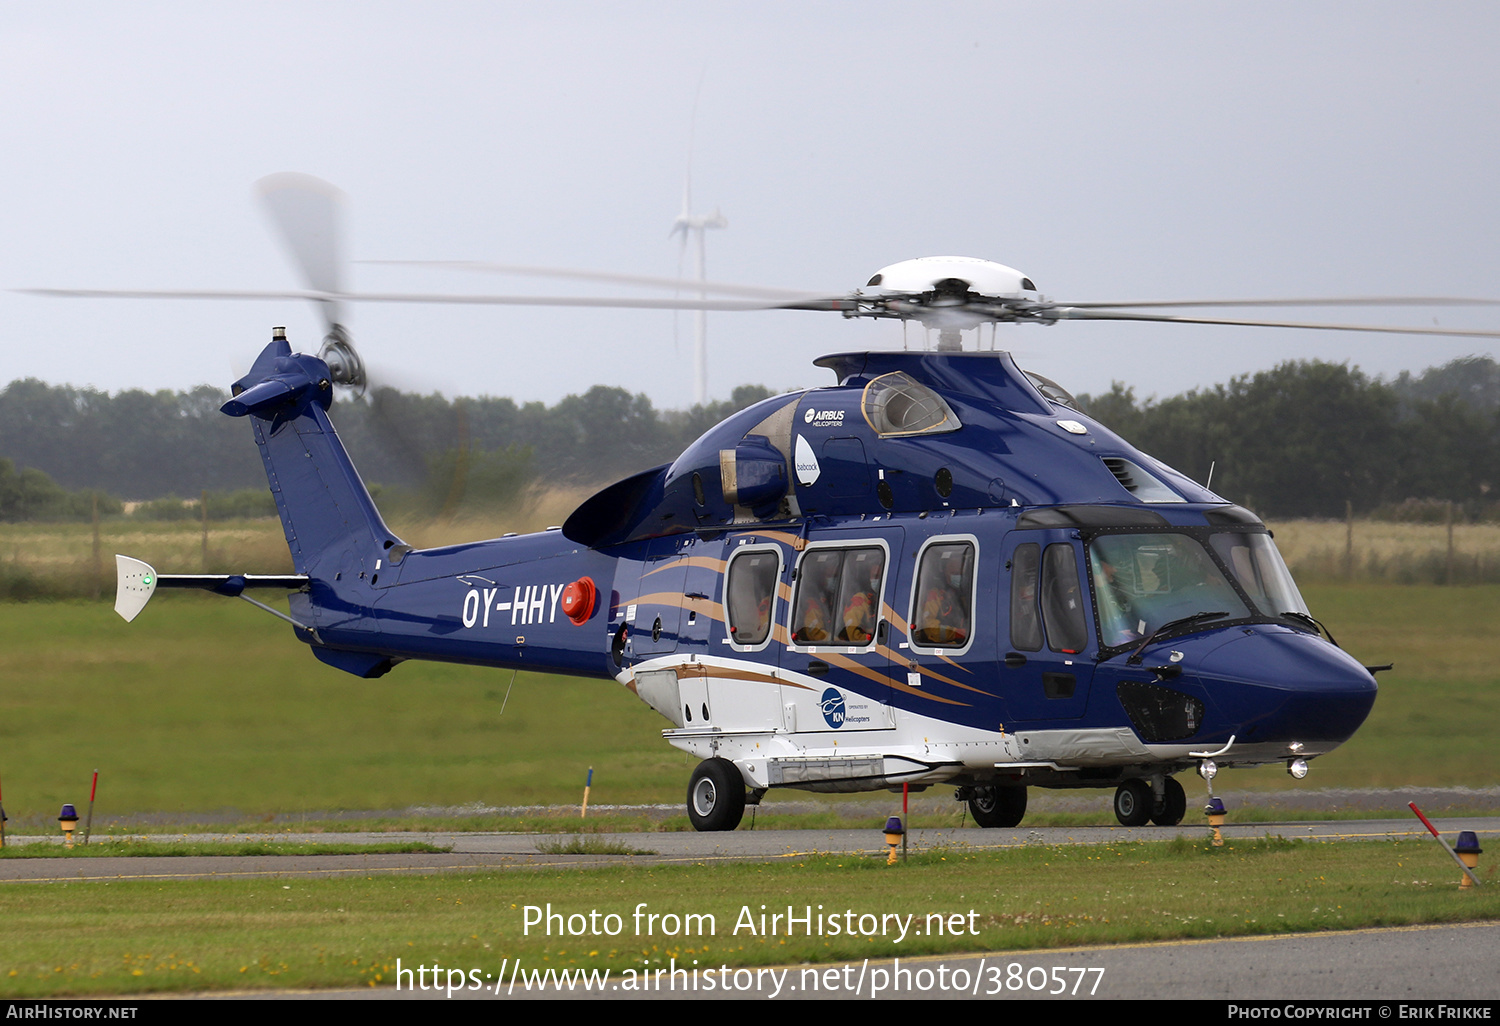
(1142, 581)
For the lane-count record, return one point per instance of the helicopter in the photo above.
(935, 570)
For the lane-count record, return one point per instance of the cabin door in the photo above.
(836, 665)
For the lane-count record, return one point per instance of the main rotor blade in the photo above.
(604, 302)
(644, 280)
(336, 298)
(826, 303)
(1073, 314)
(1331, 301)
(317, 297)
(308, 214)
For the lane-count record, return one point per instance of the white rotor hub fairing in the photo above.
(923, 274)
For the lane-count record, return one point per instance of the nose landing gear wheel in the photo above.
(716, 796)
(1173, 805)
(1133, 803)
(998, 806)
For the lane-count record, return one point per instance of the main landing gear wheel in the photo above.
(1133, 803)
(716, 796)
(1173, 805)
(998, 806)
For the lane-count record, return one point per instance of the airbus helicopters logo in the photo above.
(823, 418)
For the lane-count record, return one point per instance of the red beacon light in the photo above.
(578, 600)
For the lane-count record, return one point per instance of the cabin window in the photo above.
(1025, 626)
(750, 595)
(838, 596)
(898, 404)
(1062, 600)
(942, 610)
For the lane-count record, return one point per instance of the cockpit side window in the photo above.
(1257, 566)
(750, 595)
(1025, 627)
(1062, 600)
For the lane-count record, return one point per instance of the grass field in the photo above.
(1384, 552)
(57, 560)
(124, 936)
(132, 847)
(207, 706)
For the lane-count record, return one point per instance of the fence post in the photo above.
(98, 566)
(1448, 566)
(1348, 540)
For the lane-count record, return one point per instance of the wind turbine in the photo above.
(690, 224)
(695, 225)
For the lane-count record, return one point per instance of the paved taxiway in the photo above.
(521, 851)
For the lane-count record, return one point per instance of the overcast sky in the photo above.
(1107, 150)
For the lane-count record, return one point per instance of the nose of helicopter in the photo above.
(1283, 685)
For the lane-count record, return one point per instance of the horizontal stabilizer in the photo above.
(137, 582)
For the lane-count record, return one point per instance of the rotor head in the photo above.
(345, 366)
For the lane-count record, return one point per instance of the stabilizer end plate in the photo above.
(134, 585)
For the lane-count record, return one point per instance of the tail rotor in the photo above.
(308, 214)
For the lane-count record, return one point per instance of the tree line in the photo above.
(142, 446)
(1300, 440)
(1306, 438)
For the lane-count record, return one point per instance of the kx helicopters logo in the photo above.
(833, 707)
(839, 713)
(823, 418)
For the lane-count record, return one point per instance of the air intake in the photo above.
(1138, 482)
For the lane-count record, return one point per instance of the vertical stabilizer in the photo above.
(331, 523)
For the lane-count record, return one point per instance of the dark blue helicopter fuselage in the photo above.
(1070, 567)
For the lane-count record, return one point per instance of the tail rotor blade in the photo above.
(309, 216)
